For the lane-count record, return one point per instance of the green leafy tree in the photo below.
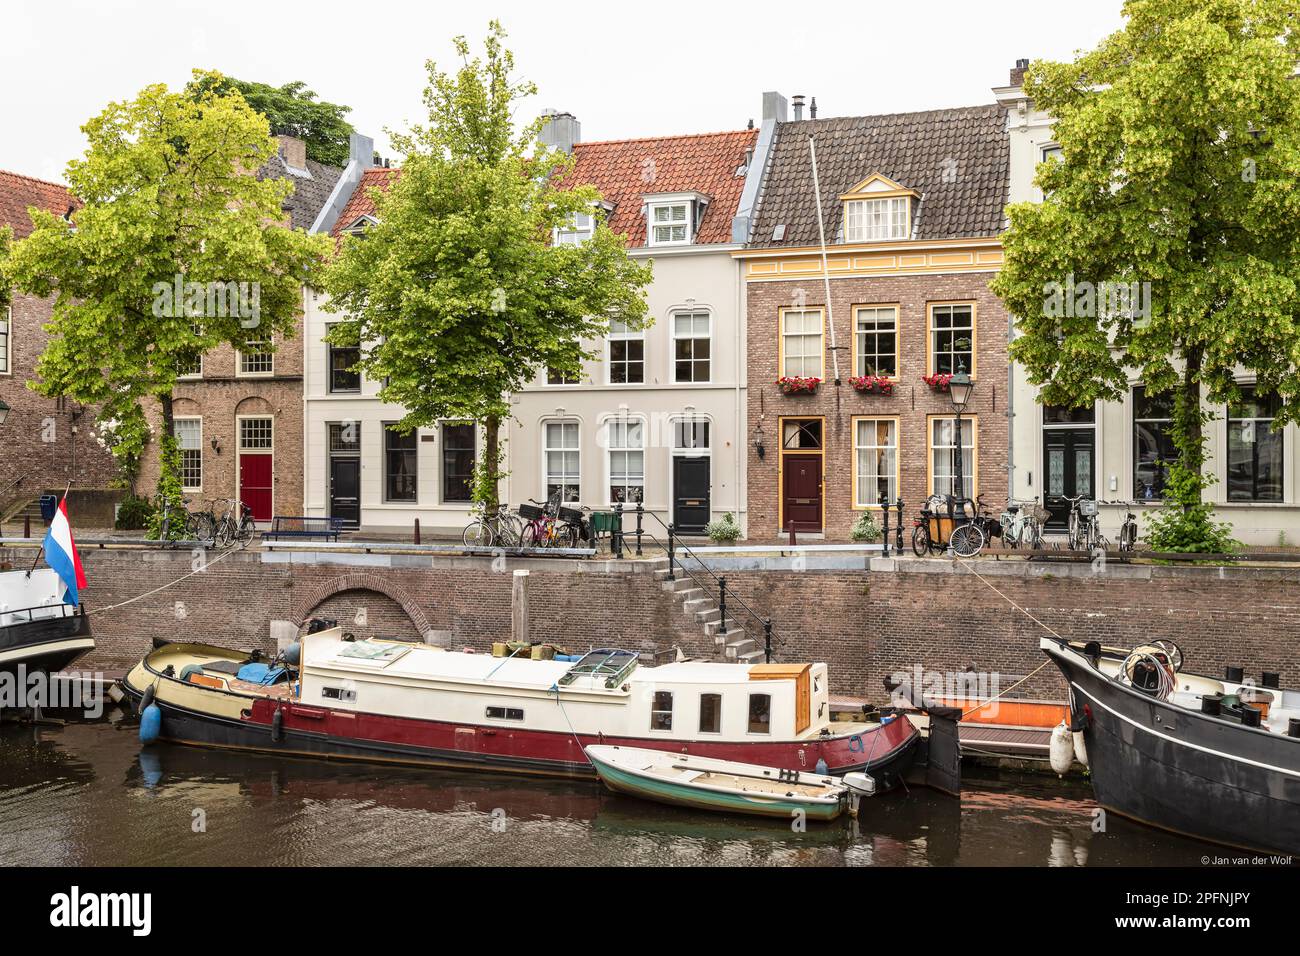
(292, 110)
(176, 249)
(457, 295)
(1181, 150)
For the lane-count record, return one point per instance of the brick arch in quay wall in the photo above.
(360, 581)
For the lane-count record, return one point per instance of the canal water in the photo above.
(87, 794)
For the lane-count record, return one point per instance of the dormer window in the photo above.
(674, 218)
(877, 209)
(582, 226)
(359, 227)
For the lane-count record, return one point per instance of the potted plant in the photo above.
(865, 528)
(939, 381)
(872, 384)
(724, 530)
(797, 384)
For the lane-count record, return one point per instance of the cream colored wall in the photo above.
(697, 279)
(1029, 131)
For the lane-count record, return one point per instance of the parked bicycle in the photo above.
(1084, 529)
(962, 519)
(1128, 531)
(236, 526)
(1021, 525)
(503, 528)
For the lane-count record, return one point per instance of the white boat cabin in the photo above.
(607, 691)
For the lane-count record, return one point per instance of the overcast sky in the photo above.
(624, 69)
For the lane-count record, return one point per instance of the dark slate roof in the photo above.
(309, 194)
(913, 149)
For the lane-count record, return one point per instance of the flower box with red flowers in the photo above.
(872, 384)
(939, 381)
(797, 385)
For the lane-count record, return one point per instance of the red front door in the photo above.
(802, 494)
(255, 484)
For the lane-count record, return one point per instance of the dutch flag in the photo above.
(61, 554)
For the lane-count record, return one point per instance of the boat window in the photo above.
(338, 693)
(661, 711)
(710, 713)
(760, 713)
(505, 713)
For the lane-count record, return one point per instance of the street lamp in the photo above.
(4, 411)
(959, 388)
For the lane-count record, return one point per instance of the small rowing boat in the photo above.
(709, 784)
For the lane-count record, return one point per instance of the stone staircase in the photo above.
(701, 608)
(14, 510)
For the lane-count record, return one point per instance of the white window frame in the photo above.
(1279, 430)
(183, 450)
(241, 354)
(580, 228)
(804, 358)
(859, 448)
(693, 337)
(969, 456)
(685, 222)
(7, 350)
(547, 449)
(859, 334)
(863, 224)
(189, 376)
(623, 336)
(617, 433)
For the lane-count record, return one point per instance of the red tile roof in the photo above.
(18, 192)
(360, 204)
(706, 163)
(625, 170)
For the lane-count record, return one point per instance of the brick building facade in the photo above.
(46, 442)
(911, 206)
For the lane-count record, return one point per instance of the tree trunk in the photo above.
(492, 462)
(1188, 426)
(168, 415)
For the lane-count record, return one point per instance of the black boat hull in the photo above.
(1183, 771)
(45, 644)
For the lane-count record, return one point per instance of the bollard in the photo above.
(884, 525)
(767, 641)
(417, 530)
(616, 533)
(27, 526)
(639, 512)
(793, 540)
(898, 543)
(519, 607)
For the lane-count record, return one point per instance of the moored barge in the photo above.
(418, 704)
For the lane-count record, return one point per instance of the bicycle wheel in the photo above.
(1035, 535)
(566, 536)
(247, 531)
(967, 540)
(1128, 537)
(531, 537)
(921, 540)
(224, 534)
(509, 532)
(205, 529)
(477, 534)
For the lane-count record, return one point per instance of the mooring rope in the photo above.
(140, 597)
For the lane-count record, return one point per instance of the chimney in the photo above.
(812, 109)
(774, 107)
(1018, 72)
(361, 150)
(293, 151)
(797, 102)
(560, 130)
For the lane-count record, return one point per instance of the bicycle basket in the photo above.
(1087, 507)
(531, 512)
(571, 515)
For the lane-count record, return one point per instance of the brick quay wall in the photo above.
(865, 618)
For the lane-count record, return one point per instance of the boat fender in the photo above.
(277, 725)
(150, 723)
(1061, 749)
(145, 700)
(1080, 748)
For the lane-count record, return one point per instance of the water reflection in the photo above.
(88, 794)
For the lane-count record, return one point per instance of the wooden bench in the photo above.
(300, 526)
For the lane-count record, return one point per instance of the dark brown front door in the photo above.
(802, 494)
